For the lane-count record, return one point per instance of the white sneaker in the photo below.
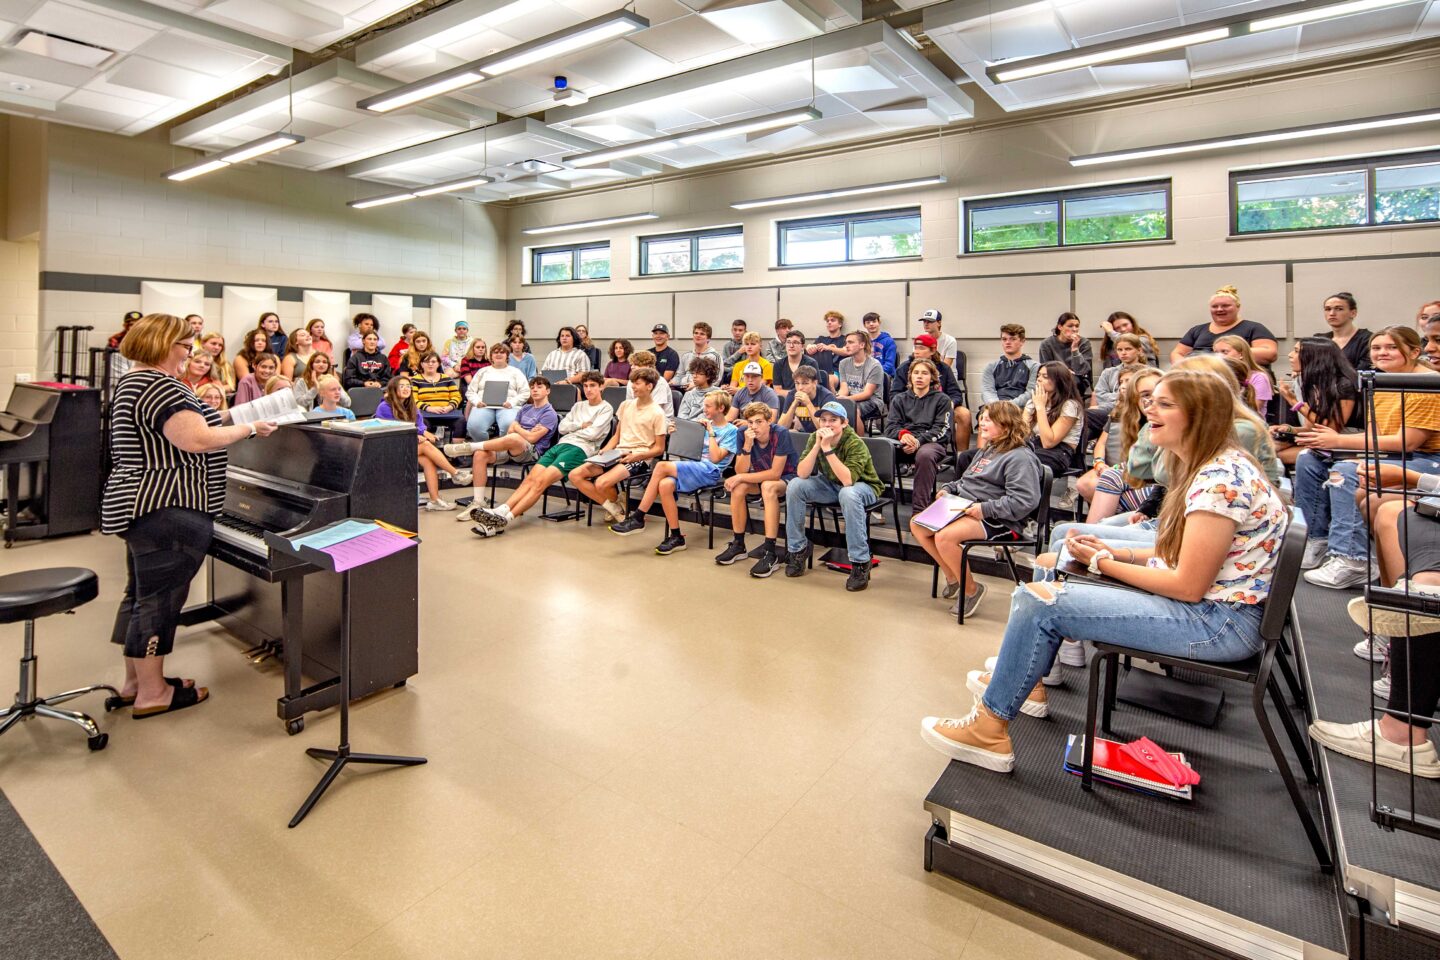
(977, 680)
(1338, 573)
(1376, 647)
(1315, 553)
(1072, 653)
(1381, 687)
(439, 506)
(1052, 679)
(613, 510)
(462, 478)
(458, 449)
(1358, 739)
(1070, 497)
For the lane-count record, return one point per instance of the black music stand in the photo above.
(342, 754)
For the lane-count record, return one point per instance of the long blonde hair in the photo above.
(222, 365)
(1127, 408)
(1229, 371)
(1204, 399)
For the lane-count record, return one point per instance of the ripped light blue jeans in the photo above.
(1208, 630)
(1112, 531)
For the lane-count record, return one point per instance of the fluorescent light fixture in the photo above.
(1248, 139)
(838, 192)
(585, 224)
(769, 121)
(451, 186)
(1313, 13)
(225, 158)
(569, 40)
(1106, 53)
(381, 200)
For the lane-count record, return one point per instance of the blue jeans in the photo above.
(477, 427)
(854, 500)
(1116, 529)
(1331, 512)
(1208, 630)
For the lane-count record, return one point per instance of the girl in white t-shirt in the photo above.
(1056, 414)
(1200, 590)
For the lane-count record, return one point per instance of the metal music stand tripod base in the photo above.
(341, 756)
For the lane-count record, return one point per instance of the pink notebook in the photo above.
(943, 512)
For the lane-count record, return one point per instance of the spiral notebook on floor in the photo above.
(1115, 766)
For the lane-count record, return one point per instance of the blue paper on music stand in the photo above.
(346, 530)
(358, 551)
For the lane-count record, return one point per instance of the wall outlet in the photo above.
(23, 378)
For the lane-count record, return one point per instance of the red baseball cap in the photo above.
(926, 340)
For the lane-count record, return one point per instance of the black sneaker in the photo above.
(631, 524)
(795, 562)
(769, 561)
(488, 530)
(859, 577)
(672, 543)
(730, 554)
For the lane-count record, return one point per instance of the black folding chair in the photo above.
(1256, 671)
(563, 397)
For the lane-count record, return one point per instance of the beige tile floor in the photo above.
(630, 756)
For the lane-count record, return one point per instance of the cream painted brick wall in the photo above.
(111, 212)
(19, 310)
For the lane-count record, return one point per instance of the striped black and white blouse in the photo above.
(151, 473)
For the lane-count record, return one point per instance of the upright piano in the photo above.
(301, 477)
(50, 444)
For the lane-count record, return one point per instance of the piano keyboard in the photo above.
(241, 534)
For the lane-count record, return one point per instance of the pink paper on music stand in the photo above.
(366, 548)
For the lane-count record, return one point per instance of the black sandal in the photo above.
(182, 697)
(116, 702)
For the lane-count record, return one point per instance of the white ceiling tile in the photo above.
(286, 19)
(858, 78)
(616, 129)
(765, 21)
(1126, 76)
(37, 89)
(620, 64)
(1020, 33)
(155, 77)
(686, 38)
(117, 105)
(1089, 19)
(659, 11)
(100, 85)
(1056, 86)
(1238, 51)
(1360, 29)
(89, 26)
(182, 49)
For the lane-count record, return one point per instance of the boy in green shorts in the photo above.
(581, 433)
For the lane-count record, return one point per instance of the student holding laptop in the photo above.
(497, 405)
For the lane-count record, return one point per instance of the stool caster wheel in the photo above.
(98, 741)
(295, 726)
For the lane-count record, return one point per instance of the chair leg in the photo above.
(935, 582)
(899, 530)
(960, 597)
(1092, 698)
(79, 719)
(1312, 832)
(1010, 562)
(1112, 682)
(1292, 730)
(80, 692)
(1297, 692)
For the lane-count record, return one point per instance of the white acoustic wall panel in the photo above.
(631, 316)
(974, 309)
(160, 296)
(241, 308)
(757, 306)
(332, 306)
(806, 306)
(1388, 292)
(393, 311)
(544, 318)
(445, 312)
(1169, 302)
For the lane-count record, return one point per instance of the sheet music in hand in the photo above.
(280, 406)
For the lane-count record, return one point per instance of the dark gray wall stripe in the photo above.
(214, 290)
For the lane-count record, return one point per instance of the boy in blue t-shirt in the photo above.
(669, 477)
(765, 462)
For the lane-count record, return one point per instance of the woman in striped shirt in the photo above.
(167, 484)
(437, 394)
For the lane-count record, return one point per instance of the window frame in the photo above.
(575, 250)
(1369, 165)
(1059, 197)
(848, 220)
(694, 236)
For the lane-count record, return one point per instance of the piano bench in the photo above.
(27, 597)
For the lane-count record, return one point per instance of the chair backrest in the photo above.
(882, 452)
(364, 400)
(564, 396)
(614, 396)
(1282, 584)
(1042, 509)
(959, 369)
(849, 406)
(687, 442)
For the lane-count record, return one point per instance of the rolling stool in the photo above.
(39, 593)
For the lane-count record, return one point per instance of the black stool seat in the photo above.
(40, 593)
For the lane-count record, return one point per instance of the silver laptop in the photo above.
(555, 376)
(494, 393)
(688, 440)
